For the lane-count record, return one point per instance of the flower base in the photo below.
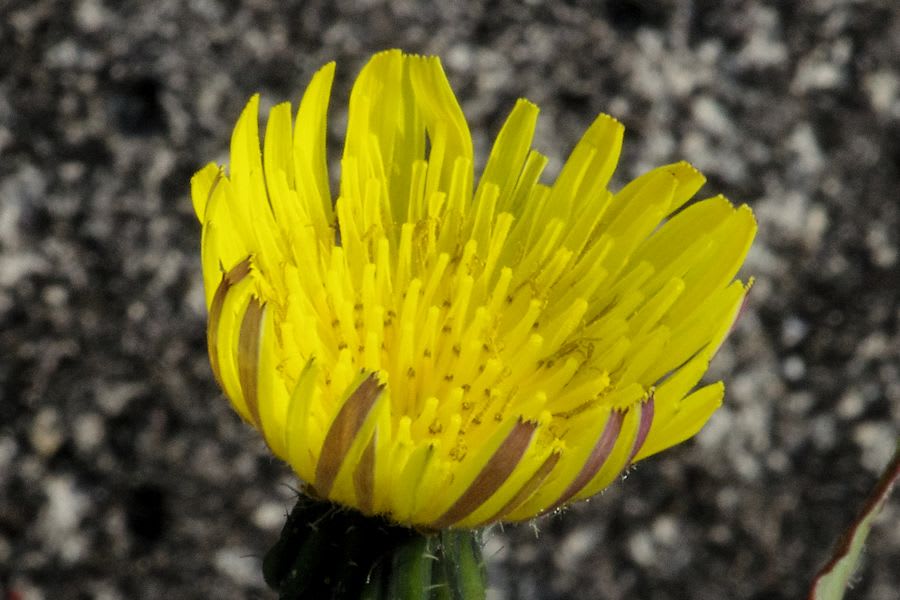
(330, 552)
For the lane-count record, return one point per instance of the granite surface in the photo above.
(124, 473)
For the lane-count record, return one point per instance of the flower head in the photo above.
(450, 352)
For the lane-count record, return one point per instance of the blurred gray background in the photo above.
(125, 474)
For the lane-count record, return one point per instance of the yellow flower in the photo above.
(450, 353)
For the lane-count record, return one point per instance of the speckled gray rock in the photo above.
(124, 474)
